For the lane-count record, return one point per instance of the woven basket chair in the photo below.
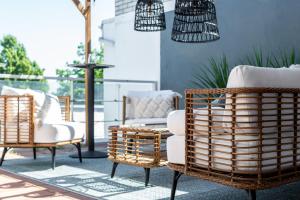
(18, 121)
(252, 144)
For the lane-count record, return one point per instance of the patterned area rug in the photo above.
(92, 178)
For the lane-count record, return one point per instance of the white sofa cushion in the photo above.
(295, 66)
(149, 104)
(59, 132)
(176, 120)
(146, 121)
(46, 106)
(221, 152)
(176, 149)
(253, 77)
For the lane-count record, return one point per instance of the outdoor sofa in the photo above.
(246, 135)
(33, 119)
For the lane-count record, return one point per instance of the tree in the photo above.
(78, 86)
(14, 60)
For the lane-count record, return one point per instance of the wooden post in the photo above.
(86, 12)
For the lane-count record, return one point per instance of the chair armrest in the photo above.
(176, 122)
(65, 104)
(16, 120)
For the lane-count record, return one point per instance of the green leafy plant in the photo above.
(214, 75)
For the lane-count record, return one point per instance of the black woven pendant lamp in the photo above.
(149, 16)
(195, 21)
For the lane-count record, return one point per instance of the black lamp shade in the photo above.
(149, 16)
(195, 21)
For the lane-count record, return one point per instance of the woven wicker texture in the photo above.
(251, 141)
(195, 21)
(143, 147)
(17, 120)
(149, 16)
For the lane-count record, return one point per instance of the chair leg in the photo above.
(34, 153)
(78, 147)
(113, 171)
(53, 153)
(147, 176)
(252, 194)
(5, 150)
(174, 185)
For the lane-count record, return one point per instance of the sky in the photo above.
(51, 30)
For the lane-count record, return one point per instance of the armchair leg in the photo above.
(113, 171)
(5, 150)
(252, 194)
(78, 147)
(176, 176)
(34, 153)
(53, 153)
(147, 176)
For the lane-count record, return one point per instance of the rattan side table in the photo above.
(141, 146)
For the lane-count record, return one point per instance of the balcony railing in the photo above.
(108, 95)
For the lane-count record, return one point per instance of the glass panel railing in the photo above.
(108, 96)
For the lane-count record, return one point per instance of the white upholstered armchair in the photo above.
(33, 119)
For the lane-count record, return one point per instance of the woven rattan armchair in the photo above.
(249, 139)
(17, 123)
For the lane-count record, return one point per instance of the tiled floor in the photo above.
(17, 187)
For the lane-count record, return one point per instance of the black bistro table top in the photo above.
(91, 66)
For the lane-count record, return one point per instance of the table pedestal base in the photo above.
(91, 155)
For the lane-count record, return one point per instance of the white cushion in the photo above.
(221, 152)
(51, 110)
(149, 104)
(296, 66)
(250, 76)
(176, 149)
(176, 122)
(46, 106)
(59, 132)
(146, 121)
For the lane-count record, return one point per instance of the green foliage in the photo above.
(65, 86)
(14, 60)
(281, 59)
(215, 75)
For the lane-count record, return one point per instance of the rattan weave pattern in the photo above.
(149, 16)
(251, 142)
(195, 21)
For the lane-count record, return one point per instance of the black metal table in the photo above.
(89, 108)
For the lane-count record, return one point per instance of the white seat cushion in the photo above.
(176, 120)
(146, 121)
(176, 149)
(59, 132)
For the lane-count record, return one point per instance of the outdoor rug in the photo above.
(92, 178)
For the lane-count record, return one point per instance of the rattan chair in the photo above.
(17, 122)
(250, 141)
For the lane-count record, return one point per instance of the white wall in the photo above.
(136, 56)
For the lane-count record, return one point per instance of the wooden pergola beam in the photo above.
(80, 7)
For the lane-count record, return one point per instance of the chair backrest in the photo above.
(149, 104)
(255, 136)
